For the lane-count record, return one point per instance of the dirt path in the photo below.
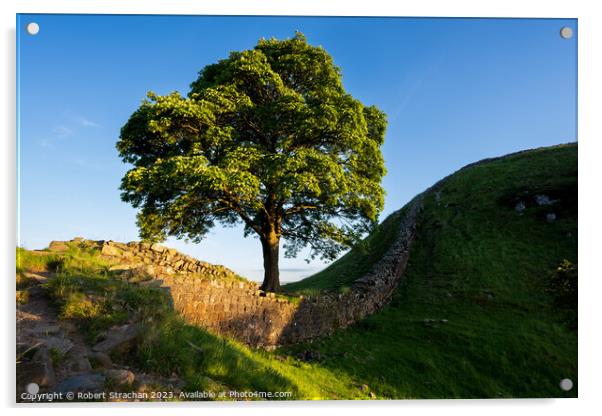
(52, 355)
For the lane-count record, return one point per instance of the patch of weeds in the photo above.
(97, 302)
(22, 296)
(34, 261)
(56, 356)
(289, 298)
(78, 305)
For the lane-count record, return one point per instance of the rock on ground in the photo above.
(118, 339)
(90, 382)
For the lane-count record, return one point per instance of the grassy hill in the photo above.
(476, 315)
(483, 309)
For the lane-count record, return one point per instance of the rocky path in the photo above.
(52, 355)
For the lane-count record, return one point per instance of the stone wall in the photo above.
(215, 298)
(150, 260)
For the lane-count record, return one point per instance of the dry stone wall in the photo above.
(152, 260)
(215, 298)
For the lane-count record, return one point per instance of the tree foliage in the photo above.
(267, 137)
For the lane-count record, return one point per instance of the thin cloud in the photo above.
(57, 133)
(62, 131)
(84, 122)
(46, 143)
(87, 164)
(416, 85)
(80, 120)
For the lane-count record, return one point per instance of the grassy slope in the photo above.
(352, 265)
(484, 268)
(476, 263)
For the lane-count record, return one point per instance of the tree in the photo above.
(267, 137)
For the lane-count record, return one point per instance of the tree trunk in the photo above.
(271, 276)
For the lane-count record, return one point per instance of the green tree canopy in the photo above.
(267, 137)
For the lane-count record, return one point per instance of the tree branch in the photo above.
(299, 208)
(234, 205)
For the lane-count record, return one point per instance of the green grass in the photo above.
(77, 258)
(97, 301)
(35, 261)
(353, 265)
(485, 269)
(172, 346)
(474, 317)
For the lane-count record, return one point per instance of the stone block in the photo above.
(58, 246)
(39, 370)
(158, 248)
(118, 339)
(110, 250)
(120, 377)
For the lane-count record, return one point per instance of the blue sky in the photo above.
(455, 91)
